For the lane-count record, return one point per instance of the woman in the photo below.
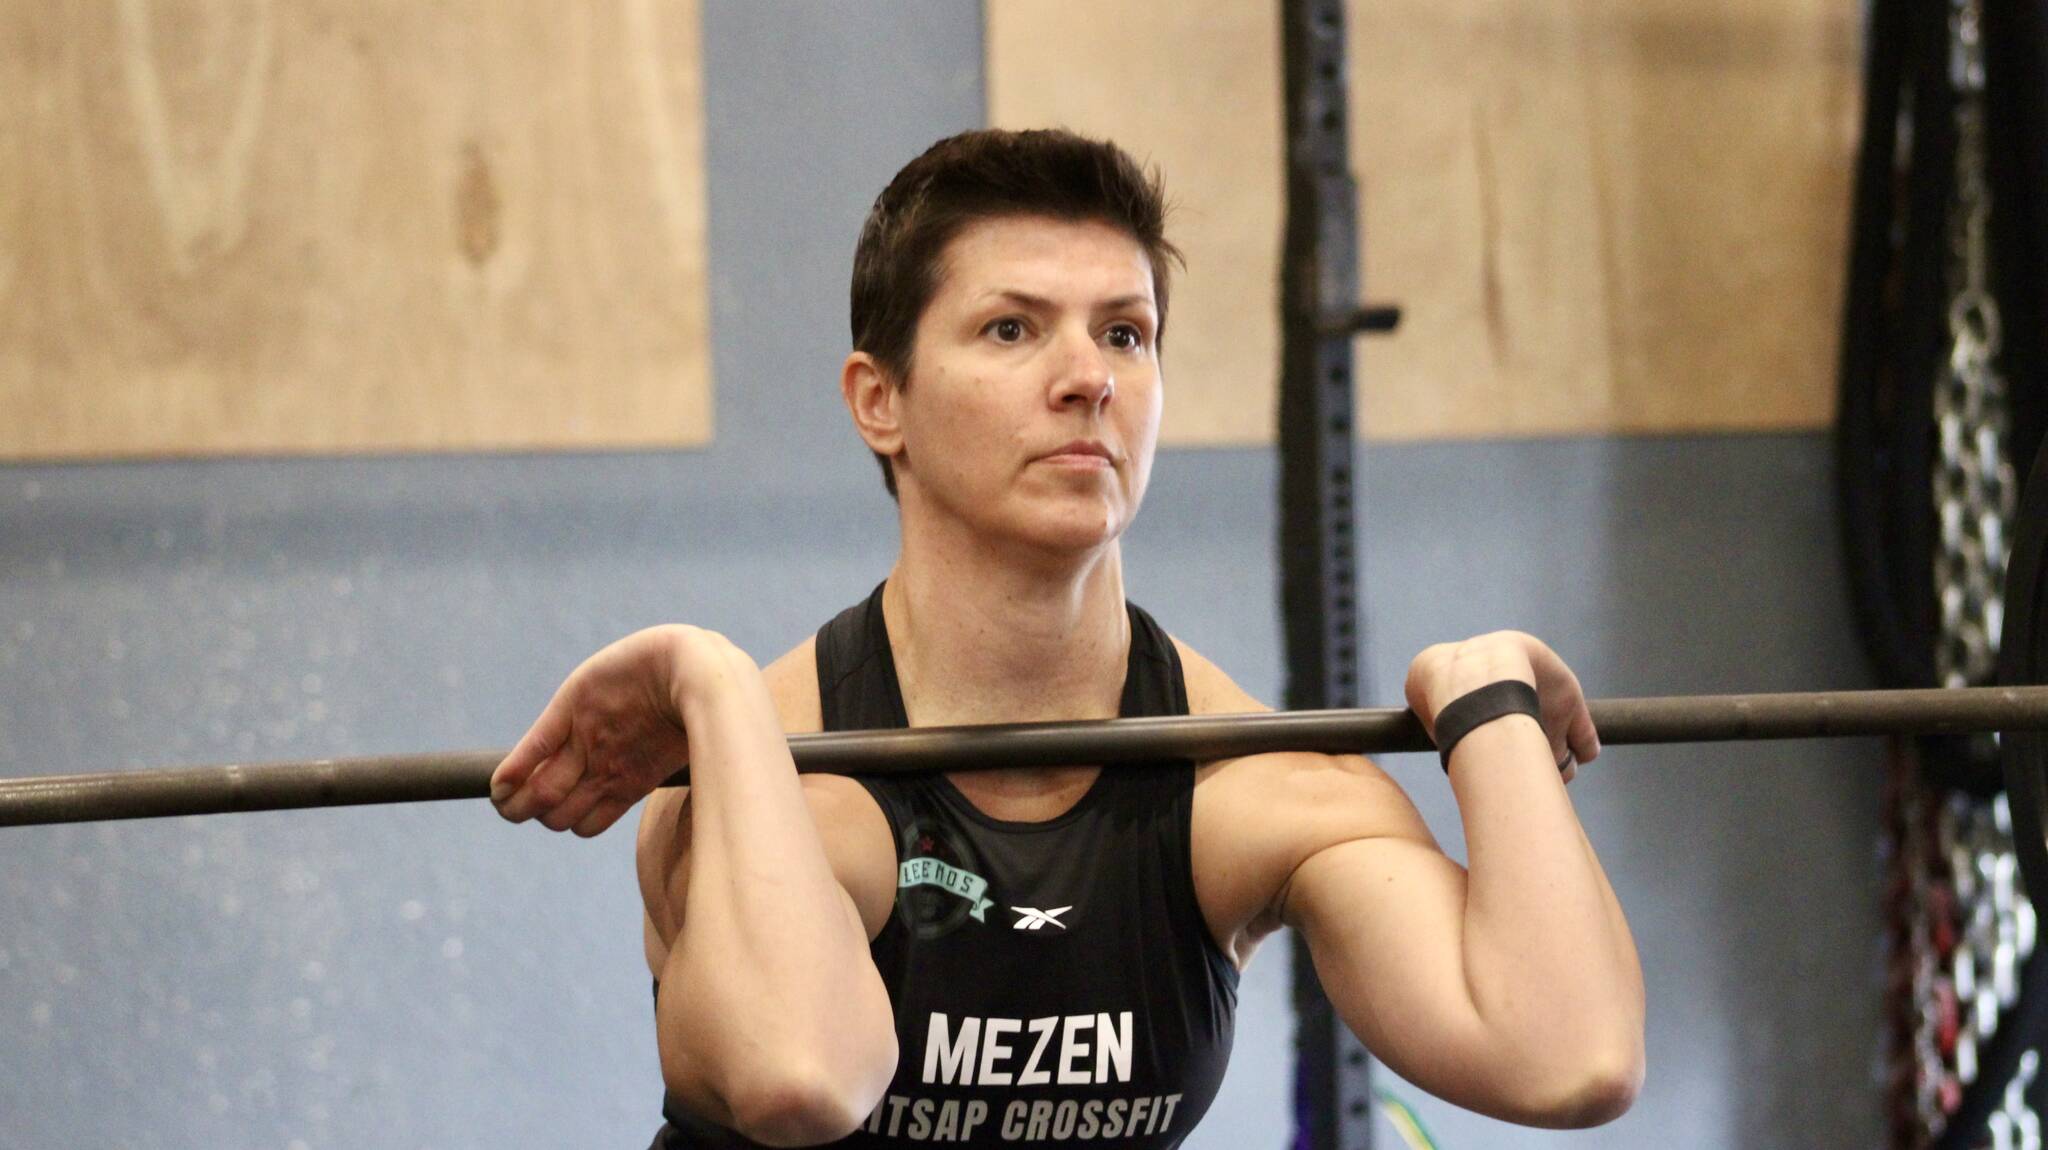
(1027, 955)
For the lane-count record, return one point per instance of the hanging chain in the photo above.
(1962, 931)
(1974, 488)
(1964, 926)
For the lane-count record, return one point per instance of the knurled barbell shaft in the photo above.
(466, 775)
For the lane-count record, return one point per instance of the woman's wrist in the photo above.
(1489, 704)
(703, 669)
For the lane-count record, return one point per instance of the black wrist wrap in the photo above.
(1474, 709)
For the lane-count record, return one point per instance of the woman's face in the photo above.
(1034, 399)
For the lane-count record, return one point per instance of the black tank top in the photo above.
(1052, 981)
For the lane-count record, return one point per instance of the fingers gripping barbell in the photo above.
(2019, 709)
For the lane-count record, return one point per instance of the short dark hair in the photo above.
(988, 174)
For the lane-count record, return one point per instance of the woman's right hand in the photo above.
(614, 731)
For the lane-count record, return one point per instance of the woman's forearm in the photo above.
(777, 1003)
(1549, 961)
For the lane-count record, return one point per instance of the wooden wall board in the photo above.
(1598, 217)
(1604, 217)
(286, 226)
(1192, 87)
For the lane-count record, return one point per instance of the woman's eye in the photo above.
(1124, 337)
(1007, 330)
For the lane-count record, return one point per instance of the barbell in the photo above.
(1110, 742)
(2018, 709)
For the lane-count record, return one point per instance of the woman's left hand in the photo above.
(1447, 671)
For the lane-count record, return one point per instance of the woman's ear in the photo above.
(872, 398)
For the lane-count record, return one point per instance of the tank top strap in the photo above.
(1153, 681)
(857, 688)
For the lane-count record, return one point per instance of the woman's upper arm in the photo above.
(1381, 908)
(1383, 911)
(1331, 846)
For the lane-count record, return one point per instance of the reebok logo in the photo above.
(1032, 918)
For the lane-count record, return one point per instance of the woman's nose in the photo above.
(1085, 376)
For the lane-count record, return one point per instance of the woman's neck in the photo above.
(979, 638)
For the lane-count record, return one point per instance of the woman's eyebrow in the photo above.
(1041, 303)
(1023, 299)
(1126, 301)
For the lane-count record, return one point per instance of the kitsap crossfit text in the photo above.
(1062, 1050)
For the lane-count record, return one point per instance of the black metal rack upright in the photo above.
(1320, 600)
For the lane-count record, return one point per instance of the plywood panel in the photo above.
(1611, 217)
(1598, 217)
(1193, 88)
(239, 226)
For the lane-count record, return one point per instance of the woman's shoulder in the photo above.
(793, 684)
(1257, 817)
(1210, 690)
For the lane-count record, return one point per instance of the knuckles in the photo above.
(548, 791)
(1497, 640)
(1439, 655)
(1435, 663)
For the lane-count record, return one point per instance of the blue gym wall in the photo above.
(426, 976)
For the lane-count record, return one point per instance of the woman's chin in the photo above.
(1055, 526)
(1073, 530)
